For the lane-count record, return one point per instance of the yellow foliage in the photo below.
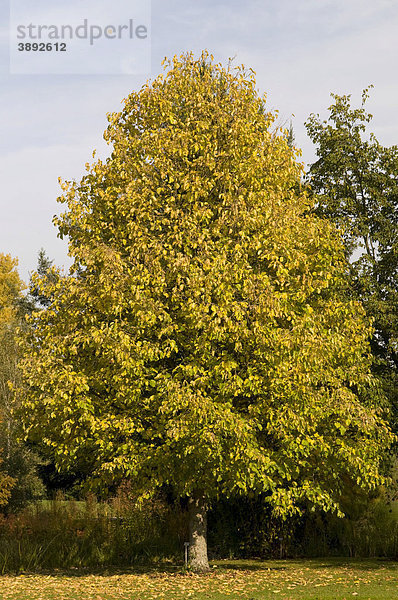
(205, 337)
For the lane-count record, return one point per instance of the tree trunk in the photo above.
(198, 560)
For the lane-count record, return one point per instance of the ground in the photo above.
(321, 579)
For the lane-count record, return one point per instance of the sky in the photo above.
(301, 51)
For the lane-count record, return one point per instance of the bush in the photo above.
(245, 528)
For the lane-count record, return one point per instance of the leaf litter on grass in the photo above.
(287, 580)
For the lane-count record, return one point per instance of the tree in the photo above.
(355, 179)
(291, 139)
(10, 290)
(49, 478)
(6, 485)
(45, 270)
(202, 339)
(19, 462)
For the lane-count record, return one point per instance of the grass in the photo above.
(322, 579)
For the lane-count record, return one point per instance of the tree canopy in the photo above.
(355, 179)
(204, 338)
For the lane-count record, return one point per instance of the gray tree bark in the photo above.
(198, 560)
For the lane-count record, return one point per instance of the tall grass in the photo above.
(65, 534)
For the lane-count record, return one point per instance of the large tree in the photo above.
(355, 180)
(203, 338)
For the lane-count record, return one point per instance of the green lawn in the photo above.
(331, 579)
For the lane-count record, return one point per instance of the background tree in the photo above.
(356, 182)
(203, 339)
(50, 479)
(19, 461)
(45, 271)
(291, 139)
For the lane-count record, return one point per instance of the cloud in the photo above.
(29, 191)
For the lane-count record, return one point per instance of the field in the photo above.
(323, 579)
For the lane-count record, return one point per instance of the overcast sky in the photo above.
(301, 51)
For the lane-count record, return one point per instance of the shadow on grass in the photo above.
(360, 564)
(151, 569)
(167, 568)
(342, 562)
(157, 569)
(251, 565)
